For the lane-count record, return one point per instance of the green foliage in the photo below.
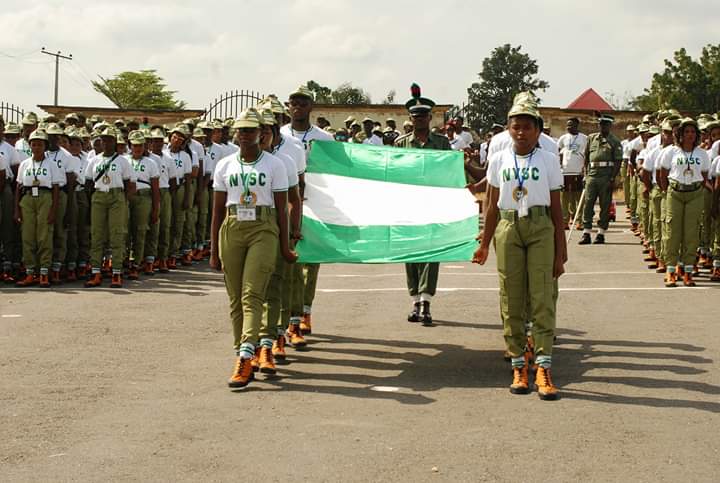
(138, 90)
(685, 84)
(343, 94)
(505, 73)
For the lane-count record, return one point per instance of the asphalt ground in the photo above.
(130, 384)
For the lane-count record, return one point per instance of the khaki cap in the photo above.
(630, 127)
(302, 91)
(182, 130)
(72, 116)
(267, 117)
(654, 129)
(30, 119)
(667, 125)
(121, 139)
(12, 128)
(274, 104)
(525, 104)
(349, 119)
(157, 133)
(71, 132)
(198, 133)
(688, 121)
(54, 129)
(407, 123)
(108, 131)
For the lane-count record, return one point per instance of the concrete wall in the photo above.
(110, 114)
(558, 117)
(337, 113)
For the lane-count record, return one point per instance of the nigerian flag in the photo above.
(377, 204)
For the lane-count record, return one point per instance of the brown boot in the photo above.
(295, 337)
(197, 255)
(172, 263)
(55, 278)
(520, 383)
(71, 276)
(545, 387)
(662, 268)
(278, 349)
(671, 279)
(132, 274)
(44, 280)
(651, 256)
(82, 272)
(266, 361)
(306, 324)
(187, 260)
(117, 281)
(255, 361)
(243, 373)
(94, 281)
(163, 267)
(28, 281)
(688, 281)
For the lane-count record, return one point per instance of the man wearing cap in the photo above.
(9, 162)
(197, 153)
(159, 236)
(390, 122)
(389, 136)
(636, 145)
(111, 180)
(501, 141)
(181, 198)
(572, 159)
(630, 134)
(462, 131)
(422, 278)
(69, 165)
(301, 104)
(144, 205)
(368, 128)
(603, 156)
(213, 153)
(74, 199)
(348, 122)
(29, 124)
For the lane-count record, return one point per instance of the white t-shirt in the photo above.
(684, 167)
(654, 142)
(66, 162)
(572, 147)
(22, 146)
(199, 150)
(290, 168)
(715, 150)
(290, 146)
(466, 136)
(375, 140)
(166, 167)
(145, 169)
(635, 144)
(183, 163)
(715, 167)
(625, 143)
(118, 172)
(82, 167)
(46, 171)
(457, 143)
(213, 154)
(540, 172)
(640, 159)
(651, 161)
(306, 137)
(263, 177)
(502, 141)
(8, 157)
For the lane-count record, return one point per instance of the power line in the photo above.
(57, 56)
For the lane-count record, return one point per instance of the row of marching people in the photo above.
(673, 194)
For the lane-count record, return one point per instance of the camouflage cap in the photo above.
(119, 122)
(121, 139)
(267, 117)
(349, 119)
(654, 129)
(72, 133)
(30, 119)
(302, 91)
(108, 131)
(12, 128)
(72, 116)
(525, 104)
(83, 132)
(38, 134)
(643, 128)
(54, 129)
(136, 137)
(247, 119)
(630, 127)
(182, 130)
(198, 133)
(688, 121)
(667, 125)
(274, 104)
(157, 133)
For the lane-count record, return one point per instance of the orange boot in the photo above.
(295, 337)
(148, 268)
(132, 273)
(163, 266)
(544, 385)
(715, 275)
(278, 349)
(688, 280)
(117, 281)
(671, 279)
(28, 281)
(306, 324)
(172, 263)
(187, 260)
(520, 384)
(44, 280)
(95, 280)
(266, 361)
(243, 373)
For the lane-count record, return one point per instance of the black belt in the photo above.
(28, 189)
(685, 188)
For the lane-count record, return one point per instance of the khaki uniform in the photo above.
(422, 278)
(37, 234)
(601, 156)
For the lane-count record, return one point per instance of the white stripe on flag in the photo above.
(341, 200)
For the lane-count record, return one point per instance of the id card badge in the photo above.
(246, 214)
(523, 206)
(35, 191)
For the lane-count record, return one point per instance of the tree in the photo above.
(138, 90)
(345, 93)
(685, 84)
(504, 74)
(624, 102)
(323, 95)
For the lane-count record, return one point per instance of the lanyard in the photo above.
(688, 158)
(282, 141)
(517, 168)
(572, 143)
(245, 179)
(304, 136)
(35, 170)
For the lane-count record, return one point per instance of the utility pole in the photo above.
(57, 68)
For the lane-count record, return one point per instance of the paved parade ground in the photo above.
(130, 384)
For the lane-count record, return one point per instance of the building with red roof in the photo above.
(592, 101)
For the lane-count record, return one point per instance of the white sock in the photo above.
(416, 299)
(425, 297)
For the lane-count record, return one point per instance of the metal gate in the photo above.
(11, 112)
(232, 103)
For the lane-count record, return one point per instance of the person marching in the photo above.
(683, 175)
(75, 196)
(572, 147)
(181, 196)
(524, 220)
(112, 181)
(214, 152)
(70, 165)
(421, 278)
(158, 239)
(144, 205)
(301, 105)
(249, 221)
(625, 168)
(602, 163)
(36, 203)
(10, 158)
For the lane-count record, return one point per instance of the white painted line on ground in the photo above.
(495, 289)
(384, 388)
(11, 316)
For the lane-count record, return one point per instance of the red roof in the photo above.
(591, 100)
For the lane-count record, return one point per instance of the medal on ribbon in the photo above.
(106, 179)
(519, 193)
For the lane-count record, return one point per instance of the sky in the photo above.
(204, 48)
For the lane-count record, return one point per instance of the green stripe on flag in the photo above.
(426, 167)
(446, 242)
